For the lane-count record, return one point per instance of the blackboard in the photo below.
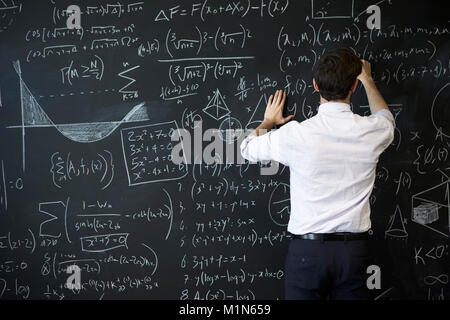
(87, 117)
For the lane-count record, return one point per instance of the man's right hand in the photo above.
(366, 72)
(376, 101)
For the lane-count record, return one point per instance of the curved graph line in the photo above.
(433, 120)
(33, 116)
(95, 131)
(156, 258)
(170, 208)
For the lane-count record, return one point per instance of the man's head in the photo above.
(335, 74)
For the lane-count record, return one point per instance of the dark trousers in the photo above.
(336, 270)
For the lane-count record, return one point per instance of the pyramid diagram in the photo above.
(217, 108)
(431, 208)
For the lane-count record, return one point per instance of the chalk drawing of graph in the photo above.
(34, 116)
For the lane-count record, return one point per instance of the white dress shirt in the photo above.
(332, 159)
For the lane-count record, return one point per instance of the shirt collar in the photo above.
(333, 107)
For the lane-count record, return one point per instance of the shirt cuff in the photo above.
(244, 144)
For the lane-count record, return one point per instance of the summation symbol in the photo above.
(126, 92)
(217, 108)
(56, 214)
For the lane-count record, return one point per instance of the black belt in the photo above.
(337, 236)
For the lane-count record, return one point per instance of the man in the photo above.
(332, 159)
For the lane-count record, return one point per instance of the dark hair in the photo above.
(335, 73)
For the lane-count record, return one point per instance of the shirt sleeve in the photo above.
(386, 114)
(386, 121)
(270, 146)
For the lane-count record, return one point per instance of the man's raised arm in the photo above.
(376, 101)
